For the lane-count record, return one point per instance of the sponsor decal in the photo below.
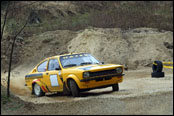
(44, 88)
(34, 75)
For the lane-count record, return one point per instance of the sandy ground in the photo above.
(139, 94)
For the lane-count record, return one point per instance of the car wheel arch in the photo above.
(42, 86)
(68, 82)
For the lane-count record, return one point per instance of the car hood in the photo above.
(96, 67)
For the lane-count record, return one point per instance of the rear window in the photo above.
(42, 67)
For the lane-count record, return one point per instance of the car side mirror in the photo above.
(58, 68)
(101, 62)
(34, 70)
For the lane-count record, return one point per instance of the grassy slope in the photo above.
(99, 14)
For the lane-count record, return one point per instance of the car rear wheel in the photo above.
(74, 89)
(38, 91)
(115, 87)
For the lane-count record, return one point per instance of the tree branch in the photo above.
(12, 9)
(11, 56)
(5, 19)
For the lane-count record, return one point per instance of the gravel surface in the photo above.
(139, 94)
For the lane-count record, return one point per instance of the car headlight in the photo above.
(86, 74)
(119, 70)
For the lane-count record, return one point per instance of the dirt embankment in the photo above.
(36, 48)
(134, 48)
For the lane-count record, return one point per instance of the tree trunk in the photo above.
(9, 68)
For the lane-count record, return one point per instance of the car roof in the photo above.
(57, 56)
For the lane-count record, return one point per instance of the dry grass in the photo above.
(119, 14)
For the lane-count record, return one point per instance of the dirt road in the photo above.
(139, 94)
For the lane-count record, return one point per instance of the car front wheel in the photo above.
(38, 91)
(115, 87)
(74, 89)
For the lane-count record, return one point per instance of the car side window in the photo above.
(53, 64)
(42, 67)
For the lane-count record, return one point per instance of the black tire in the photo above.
(65, 90)
(38, 93)
(157, 74)
(74, 88)
(32, 93)
(115, 87)
(158, 67)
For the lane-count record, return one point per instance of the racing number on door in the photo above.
(53, 71)
(54, 80)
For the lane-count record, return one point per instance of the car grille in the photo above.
(101, 73)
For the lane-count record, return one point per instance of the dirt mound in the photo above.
(47, 44)
(135, 47)
(36, 48)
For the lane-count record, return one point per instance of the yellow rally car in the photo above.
(73, 73)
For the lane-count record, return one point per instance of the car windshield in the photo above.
(77, 60)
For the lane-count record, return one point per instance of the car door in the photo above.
(41, 72)
(53, 71)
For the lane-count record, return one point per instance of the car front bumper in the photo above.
(102, 78)
(94, 82)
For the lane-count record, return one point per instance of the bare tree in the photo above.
(11, 9)
(11, 54)
(13, 43)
